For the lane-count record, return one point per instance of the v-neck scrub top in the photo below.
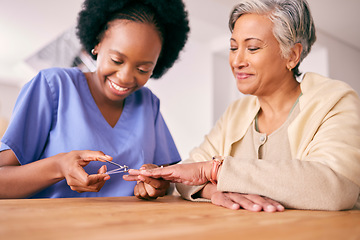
(56, 113)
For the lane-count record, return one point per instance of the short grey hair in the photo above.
(292, 19)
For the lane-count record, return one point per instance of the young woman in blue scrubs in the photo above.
(65, 121)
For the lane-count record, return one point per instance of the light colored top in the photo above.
(56, 113)
(256, 145)
(324, 145)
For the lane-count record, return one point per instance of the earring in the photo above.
(93, 52)
(289, 68)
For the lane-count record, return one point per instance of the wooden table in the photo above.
(166, 218)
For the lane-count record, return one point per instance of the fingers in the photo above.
(155, 183)
(149, 180)
(180, 173)
(93, 183)
(134, 172)
(278, 206)
(152, 182)
(104, 158)
(76, 175)
(156, 172)
(71, 167)
(141, 192)
(95, 179)
(103, 170)
(131, 177)
(88, 155)
(226, 200)
(80, 181)
(150, 173)
(245, 202)
(251, 202)
(145, 191)
(267, 204)
(143, 173)
(222, 200)
(148, 187)
(148, 166)
(157, 192)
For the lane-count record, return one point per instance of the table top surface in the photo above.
(169, 217)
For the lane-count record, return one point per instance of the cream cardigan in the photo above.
(324, 172)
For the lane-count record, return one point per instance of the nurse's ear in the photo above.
(95, 50)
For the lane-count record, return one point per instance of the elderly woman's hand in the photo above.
(251, 202)
(190, 174)
(233, 200)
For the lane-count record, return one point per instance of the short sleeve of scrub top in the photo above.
(56, 113)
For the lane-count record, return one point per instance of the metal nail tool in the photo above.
(120, 169)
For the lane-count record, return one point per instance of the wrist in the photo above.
(57, 162)
(216, 163)
(207, 170)
(207, 191)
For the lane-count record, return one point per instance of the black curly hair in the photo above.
(168, 16)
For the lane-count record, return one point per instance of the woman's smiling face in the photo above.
(126, 56)
(255, 56)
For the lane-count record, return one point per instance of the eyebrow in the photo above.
(248, 39)
(124, 56)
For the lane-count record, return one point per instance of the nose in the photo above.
(238, 60)
(125, 75)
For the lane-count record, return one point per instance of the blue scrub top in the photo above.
(55, 113)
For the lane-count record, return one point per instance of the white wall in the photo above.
(317, 61)
(186, 96)
(8, 95)
(343, 59)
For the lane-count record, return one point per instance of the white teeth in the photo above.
(121, 89)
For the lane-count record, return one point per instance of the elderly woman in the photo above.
(286, 144)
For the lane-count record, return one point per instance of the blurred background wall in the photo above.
(195, 92)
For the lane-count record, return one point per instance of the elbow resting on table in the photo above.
(331, 202)
(342, 204)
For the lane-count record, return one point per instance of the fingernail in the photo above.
(280, 208)
(107, 156)
(271, 208)
(256, 207)
(235, 206)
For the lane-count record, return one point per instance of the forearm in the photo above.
(23, 181)
(295, 184)
(207, 191)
